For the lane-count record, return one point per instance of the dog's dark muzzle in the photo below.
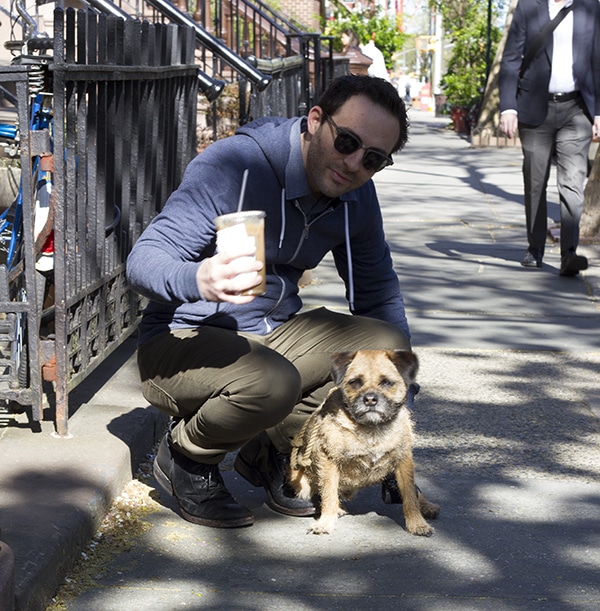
(372, 408)
(370, 399)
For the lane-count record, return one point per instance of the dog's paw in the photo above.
(323, 526)
(420, 529)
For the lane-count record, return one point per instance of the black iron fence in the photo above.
(20, 348)
(249, 44)
(124, 131)
(123, 99)
(125, 104)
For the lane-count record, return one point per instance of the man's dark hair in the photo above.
(378, 90)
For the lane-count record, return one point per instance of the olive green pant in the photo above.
(228, 386)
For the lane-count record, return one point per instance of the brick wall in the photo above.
(305, 11)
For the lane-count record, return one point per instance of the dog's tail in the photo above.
(302, 446)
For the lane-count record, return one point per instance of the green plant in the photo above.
(465, 77)
(367, 22)
(466, 28)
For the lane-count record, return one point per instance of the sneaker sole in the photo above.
(533, 264)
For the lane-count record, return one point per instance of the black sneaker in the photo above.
(572, 264)
(199, 489)
(259, 463)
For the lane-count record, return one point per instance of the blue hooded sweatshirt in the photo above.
(162, 264)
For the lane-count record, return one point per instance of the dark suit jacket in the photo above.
(529, 95)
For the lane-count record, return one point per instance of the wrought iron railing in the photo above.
(124, 129)
(257, 36)
(121, 135)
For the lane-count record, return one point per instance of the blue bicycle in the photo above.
(11, 238)
(32, 53)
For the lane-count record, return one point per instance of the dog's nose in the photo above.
(370, 399)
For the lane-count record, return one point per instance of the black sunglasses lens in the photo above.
(372, 160)
(346, 143)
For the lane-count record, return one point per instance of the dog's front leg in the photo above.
(329, 481)
(405, 476)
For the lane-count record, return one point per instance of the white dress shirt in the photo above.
(561, 77)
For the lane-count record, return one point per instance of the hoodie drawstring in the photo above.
(349, 256)
(282, 230)
(348, 247)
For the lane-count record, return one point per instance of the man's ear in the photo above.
(315, 118)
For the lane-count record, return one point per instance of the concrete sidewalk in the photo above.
(507, 425)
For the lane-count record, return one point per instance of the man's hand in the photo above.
(509, 123)
(224, 276)
(596, 128)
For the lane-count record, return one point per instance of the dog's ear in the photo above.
(339, 365)
(406, 363)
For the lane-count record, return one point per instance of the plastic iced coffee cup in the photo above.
(240, 230)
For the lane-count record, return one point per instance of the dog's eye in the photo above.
(356, 382)
(386, 383)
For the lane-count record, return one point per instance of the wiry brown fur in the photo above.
(361, 433)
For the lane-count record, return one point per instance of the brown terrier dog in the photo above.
(361, 433)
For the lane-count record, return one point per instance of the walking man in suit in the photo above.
(555, 104)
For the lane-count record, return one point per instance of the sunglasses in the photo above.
(347, 143)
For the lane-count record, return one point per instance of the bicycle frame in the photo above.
(25, 220)
(11, 218)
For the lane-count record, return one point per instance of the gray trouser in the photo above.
(566, 132)
(229, 386)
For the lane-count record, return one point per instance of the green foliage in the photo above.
(466, 27)
(366, 22)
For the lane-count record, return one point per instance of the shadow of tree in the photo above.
(506, 442)
(512, 457)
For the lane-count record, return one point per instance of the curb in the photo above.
(7, 577)
(68, 499)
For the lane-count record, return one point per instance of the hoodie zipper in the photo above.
(306, 230)
(303, 238)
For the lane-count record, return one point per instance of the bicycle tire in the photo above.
(23, 370)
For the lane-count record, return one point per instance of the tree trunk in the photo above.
(489, 119)
(489, 116)
(590, 219)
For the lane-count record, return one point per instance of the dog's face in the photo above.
(374, 382)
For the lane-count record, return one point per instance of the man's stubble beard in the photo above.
(317, 161)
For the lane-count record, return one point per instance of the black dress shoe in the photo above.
(572, 264)
(530, 260)
(199, 489)
(259, 463)
(390, 491)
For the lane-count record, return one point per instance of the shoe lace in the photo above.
(212, 479)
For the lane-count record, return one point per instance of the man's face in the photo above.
(331, 173)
